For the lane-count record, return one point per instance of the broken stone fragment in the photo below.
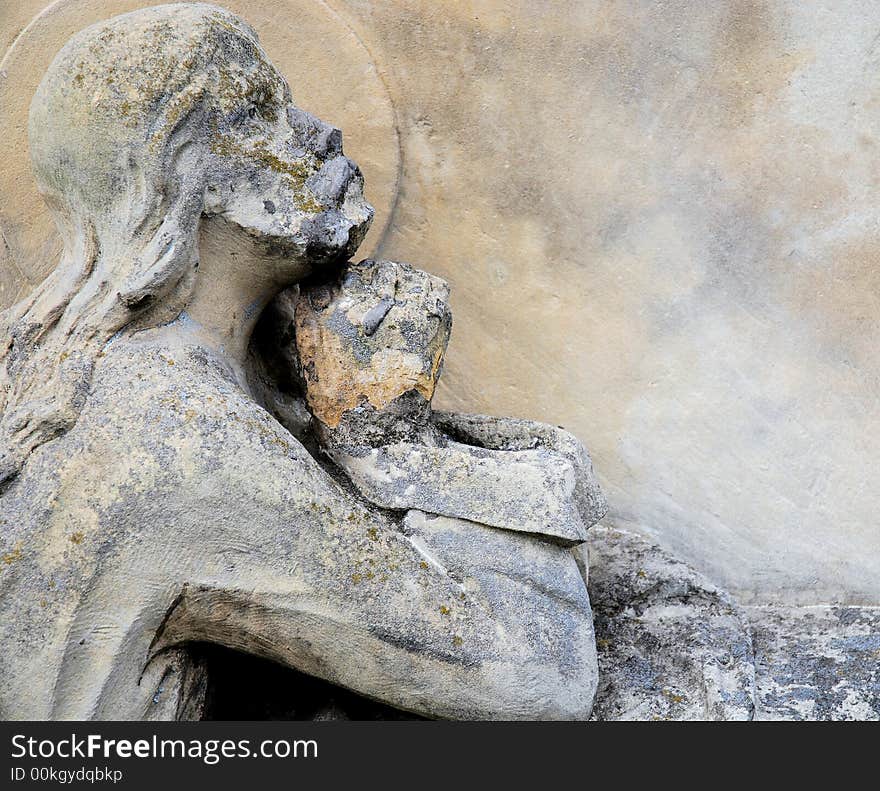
(376, 334)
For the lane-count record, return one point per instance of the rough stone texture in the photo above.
(817, 663)
(337, 81)
(148, 498)
(375, 335)
(254, 547)
(697, 291)
(229, 532)
(369, 347)
(671, 645)
(138, 130)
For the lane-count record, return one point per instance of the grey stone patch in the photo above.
(671, 645)
(551, 444)
(817, 663)
(527, 491)
(376, 314)
(534, 587)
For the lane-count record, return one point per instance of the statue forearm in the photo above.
(402, 618)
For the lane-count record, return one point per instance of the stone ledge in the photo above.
(816, 663)
(673, 646)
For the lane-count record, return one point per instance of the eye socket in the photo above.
(252, 111)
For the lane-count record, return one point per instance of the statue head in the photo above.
(141, 126)
(147, 121)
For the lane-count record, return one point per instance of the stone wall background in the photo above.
(659, 219)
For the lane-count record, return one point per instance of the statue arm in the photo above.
(517, 434)
(310, 577)
(513, 474)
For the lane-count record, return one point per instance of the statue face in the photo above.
(279, 174)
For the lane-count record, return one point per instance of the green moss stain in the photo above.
(674, 697)
(13, 555)
(295, 172)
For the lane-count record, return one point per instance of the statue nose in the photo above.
(330, 183)
(313, 134)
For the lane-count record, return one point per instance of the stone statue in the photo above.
(215, 428)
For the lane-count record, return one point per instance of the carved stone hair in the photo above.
(125, 109)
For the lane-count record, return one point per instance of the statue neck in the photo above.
(233, 287)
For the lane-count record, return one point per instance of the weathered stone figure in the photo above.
(148, 498)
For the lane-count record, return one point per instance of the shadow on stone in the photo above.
(244, 687)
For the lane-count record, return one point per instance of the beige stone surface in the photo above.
(658, 220)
